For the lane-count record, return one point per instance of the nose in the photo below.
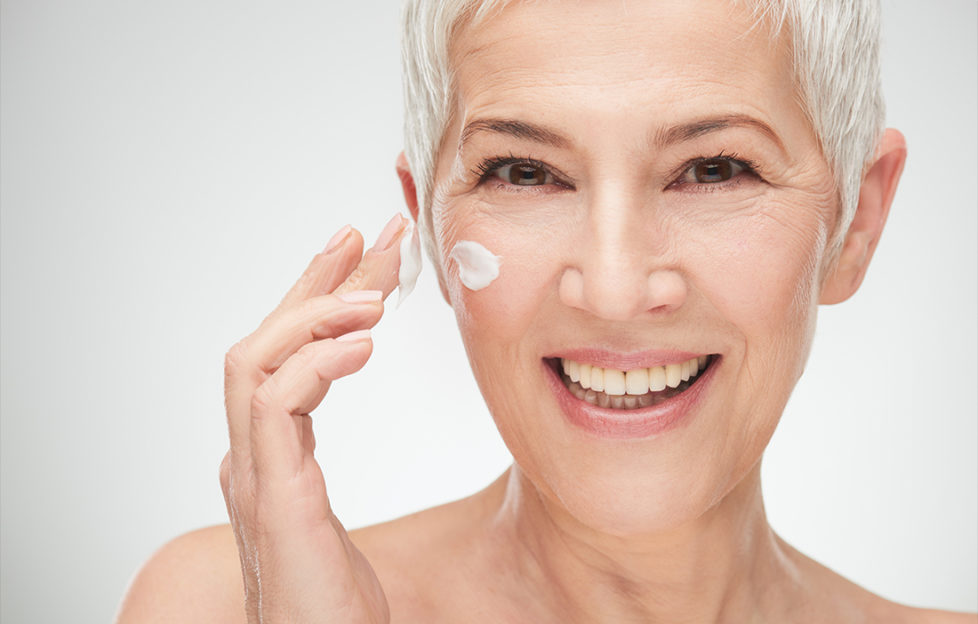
(623, 270)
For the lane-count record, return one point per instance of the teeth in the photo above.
(577, 390)
(615, 382)
(674, 375)
(637, 381)
(657, 379)
(608, 387)
(585, 372)
(597, 379)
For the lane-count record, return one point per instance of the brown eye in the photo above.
(525, 175)
(713, 171)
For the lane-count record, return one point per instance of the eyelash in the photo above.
(487, 168)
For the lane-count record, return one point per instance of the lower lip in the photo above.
(603, 422)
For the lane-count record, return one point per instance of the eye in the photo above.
(713, 170)
(524, 174)
(510, 172)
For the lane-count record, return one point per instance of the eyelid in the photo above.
(749, 167)
(487, 168)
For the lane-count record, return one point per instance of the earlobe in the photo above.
(875, 197)
(407, 185)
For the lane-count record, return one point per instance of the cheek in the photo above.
(764, 281)
(512, 302)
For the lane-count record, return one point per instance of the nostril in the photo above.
(618, 297)
(571, 288)
(666, 291)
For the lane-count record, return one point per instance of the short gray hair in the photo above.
(836, 47)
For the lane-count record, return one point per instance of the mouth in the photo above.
(631, 389)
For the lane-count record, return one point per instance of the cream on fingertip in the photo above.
(477, 266)
(407, 275)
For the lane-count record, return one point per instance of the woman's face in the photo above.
(655, 192)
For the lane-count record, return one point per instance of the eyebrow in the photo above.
(689, 131)
(514, 128)
(662, 137)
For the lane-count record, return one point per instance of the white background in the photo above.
(168, 168)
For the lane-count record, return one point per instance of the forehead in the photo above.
(599, 61)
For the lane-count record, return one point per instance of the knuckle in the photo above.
(235, 357)
(311, 356)
(264, 399)
(356, 278)
(307, 353)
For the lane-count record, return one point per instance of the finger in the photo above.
(378, 268)
(253, 360)
(326, 316)
(327, 269)
(296, 388)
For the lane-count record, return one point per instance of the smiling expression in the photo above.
(657, 196)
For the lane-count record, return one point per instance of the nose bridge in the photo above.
(615, 261)
(614, 249)
(619, 272)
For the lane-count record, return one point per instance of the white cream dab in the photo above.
(477, 266)
(407, 275)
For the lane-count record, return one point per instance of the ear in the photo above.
(875, 196)
(407, 185)
(411, 199)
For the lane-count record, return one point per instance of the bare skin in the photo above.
(485, 558)
(579, 529)
(430, 579)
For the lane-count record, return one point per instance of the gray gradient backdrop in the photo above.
(168, 168)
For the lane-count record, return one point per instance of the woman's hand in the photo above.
(298, 563)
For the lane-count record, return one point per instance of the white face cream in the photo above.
(477, 266)
(407, 275)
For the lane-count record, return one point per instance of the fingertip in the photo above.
(390, 233)
(338, 238)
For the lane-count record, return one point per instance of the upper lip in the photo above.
(628, 360)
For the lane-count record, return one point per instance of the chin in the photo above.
(616, 502)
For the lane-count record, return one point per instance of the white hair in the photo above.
(836, 51)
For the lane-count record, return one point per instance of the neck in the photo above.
(719, 567)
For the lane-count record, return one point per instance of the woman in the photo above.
(634, 210)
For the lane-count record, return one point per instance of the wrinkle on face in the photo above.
(748, 256)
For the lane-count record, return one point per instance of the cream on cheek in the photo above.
(477, 266)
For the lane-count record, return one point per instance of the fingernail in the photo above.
(357, 336)
(362, 296)
(337, 238)
(388, 234)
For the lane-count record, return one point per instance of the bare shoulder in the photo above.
(885, 611)
(830, 594)
(425, 561)
(193, 578)
(934, 616)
